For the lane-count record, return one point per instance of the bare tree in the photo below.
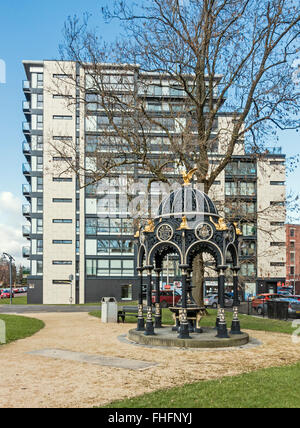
(228, 68)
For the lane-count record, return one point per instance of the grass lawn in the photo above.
(15, 301)
(277, 387)
(18, 327)
(263, 388)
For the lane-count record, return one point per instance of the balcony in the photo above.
(26, 106)
(26, 189)
(26, 169)
(26, 127)
(26, 209)
(26, 231)
(26, 252)
(26, 86)
(274, 150)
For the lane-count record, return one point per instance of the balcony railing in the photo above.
(274, 150)
(26, 189)
(26, 231)
(26, 85)
(26, 169)
(26, 210)
(26, 148)
(26, 252)
(26, 127)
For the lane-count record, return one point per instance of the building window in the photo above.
(40, 184)
(126, 292)
(58, 221)
(39, 163)
(39, 246)
(59, 117)
(61, 282)
(105, 226)
(277, 223)
(62, 180)
(292, 270)
(277, 183)
(277, 264)
(277, 244)
(40, 121)
(292, 232)
(39, 267)
(58, 242)
(40, 101)
(40, 204)
(40, 80)
(62, 262)
(105, 267)
(39, 226)
(59, 159)
(62, 200)
(292, 258)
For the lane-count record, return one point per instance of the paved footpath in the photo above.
(47, 369)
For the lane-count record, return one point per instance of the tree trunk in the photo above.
(198, 280)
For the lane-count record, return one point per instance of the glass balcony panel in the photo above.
(26, 84)
(26, 189)
(26, 126)
(26, 168)
(26, 105)
(26, 251)
(26, 209)
(26, 230)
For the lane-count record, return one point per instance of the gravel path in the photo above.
(39, 382)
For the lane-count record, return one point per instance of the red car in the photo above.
(166, 298)
(5, 294)
(259, 300)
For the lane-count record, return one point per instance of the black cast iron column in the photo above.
(157, 323)
(235, 326)
(184, 325)
(149, 322)
(221, 328)
(140, 321)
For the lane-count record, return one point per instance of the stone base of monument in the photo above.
(207, 339)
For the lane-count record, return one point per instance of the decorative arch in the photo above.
(204, 247)
(164, 248)
(141, 256)
(231, 248)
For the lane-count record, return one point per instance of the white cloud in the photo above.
(11, 220)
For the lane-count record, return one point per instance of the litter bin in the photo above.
(109, 310)
(278, 309)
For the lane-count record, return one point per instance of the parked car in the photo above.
(5, 294)
(294, 306)
(259, 303)
(212, 300)
(166, 298)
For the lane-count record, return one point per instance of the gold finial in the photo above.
(221, 225)
(137, 235)
(187, 176)
(237, 229)
(150, 227)
(184, 224)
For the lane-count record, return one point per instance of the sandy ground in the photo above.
(39, 382)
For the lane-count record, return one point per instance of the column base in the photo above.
(140, 324)
(222, 331)
(184, 332)
(235, 328)
(149, 329)
(157, 322)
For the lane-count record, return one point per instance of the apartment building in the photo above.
(293, 257)
(81, 244)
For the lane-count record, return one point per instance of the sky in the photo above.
(32, 30)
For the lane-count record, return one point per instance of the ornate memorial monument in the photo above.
(187, 224)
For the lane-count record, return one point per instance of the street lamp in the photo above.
(11, 259)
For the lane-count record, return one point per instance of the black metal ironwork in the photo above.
(188, 224)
